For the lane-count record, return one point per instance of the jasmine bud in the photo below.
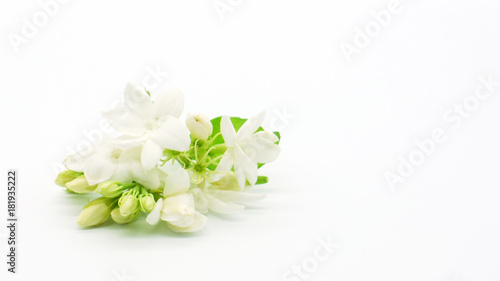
(117, 216)
(66, 176)
(129, 203)
(96, 212)
(110, 189)
(147, 202)
(199, 125)
(80, 185)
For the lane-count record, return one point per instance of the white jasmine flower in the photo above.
(180, 213)
(225, 197)
(101, 163)
(178, 208)
(247, 148)
(109, 162)
(155, 123)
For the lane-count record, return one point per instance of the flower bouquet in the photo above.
(171, 170)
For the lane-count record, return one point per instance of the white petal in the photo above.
(228, 181)
(144, 177)
(249, 127)
(267, 153)
(182, 221)
(199, 222)
(249, 167)
(267, 135)
(159, 176)
(126, 141)
(137, 100)
(200, 200)
(75, 162)
(126, 121)
(262, 148)
(154, 217)
(236, 196)
(225, 165)
(226, 162)
(169, 102)
(228, 131)
(240, 176)
(172, 134)
(173, 217)
(179, 210)
(98, 169)
(172, 204)
(123, 173)
(131, 154)
(221, 207)
(176, 183)
(151, 154)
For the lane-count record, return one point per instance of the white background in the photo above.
(348, 125)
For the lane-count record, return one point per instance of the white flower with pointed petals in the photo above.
(101, 163)
(106, 161)
(229, 201)
(178, 209)
(180, 213)
(224, 196)
(155, 124)
(247, 148)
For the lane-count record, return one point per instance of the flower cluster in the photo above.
(171, 170)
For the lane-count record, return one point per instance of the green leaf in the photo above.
(278, 135)
(262, 180)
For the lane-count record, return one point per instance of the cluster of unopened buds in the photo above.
(173, 171)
